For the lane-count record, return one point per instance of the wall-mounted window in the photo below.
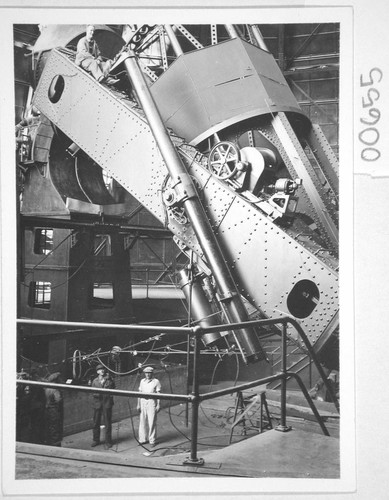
(103, 245)
(43, 241)
(101, 296)
(40, 294)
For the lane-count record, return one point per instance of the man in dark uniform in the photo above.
(89, 57)
(54, 411)
(102, 404)
(37, 411)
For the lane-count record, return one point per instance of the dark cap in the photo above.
(100, 367)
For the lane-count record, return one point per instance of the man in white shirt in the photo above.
(148, 408)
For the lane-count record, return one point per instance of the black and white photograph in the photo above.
(179, 267)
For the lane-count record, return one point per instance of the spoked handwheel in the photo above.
(223, 160)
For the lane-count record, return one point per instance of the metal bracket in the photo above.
(283, 428)
(226, 296)
(183, 188)
(196, 461)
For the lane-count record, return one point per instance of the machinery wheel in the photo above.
(223, 160)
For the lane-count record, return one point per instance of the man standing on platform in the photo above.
(102, 404)
(148, 408)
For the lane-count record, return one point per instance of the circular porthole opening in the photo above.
(56, 88)
(303, 299)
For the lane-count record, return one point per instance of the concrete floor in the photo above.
(270, 454)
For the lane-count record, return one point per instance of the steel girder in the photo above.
(282, 135)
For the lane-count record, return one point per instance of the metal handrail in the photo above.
(284, 320)
(111, 392)
(196, 398)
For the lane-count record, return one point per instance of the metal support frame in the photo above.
(190, 283)
(231, 30)
(173, 40)
(162, 45)
(111, 392)
(98, 226)
(258, 37)
(245, 407)
(283, 427)
(302, 47)
(214, 34)
(312, 101)
(299, 161)
(189, 36)
(281, 47)
(194, 460)
(325, 156)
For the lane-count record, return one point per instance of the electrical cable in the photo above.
(131, 371)
(237, 368)
(170, 404)
(90, 357)
(161, 322)
(77, 356)
(80, 266)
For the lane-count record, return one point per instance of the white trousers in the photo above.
(148, 418)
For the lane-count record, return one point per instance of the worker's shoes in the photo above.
(95, 443)
(111, 81)
(108, 445)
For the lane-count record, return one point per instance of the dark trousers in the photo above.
(106, 413)
(38, 425)
(96, 68)
(54, 424)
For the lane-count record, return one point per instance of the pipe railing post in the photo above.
(311, 404)
(283, 427)
(312, 353)
(194, 460)
(188, 340)
(258, 37)
(231, 30)
(173, 40)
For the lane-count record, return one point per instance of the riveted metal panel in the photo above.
(208, 89)
(106, 128)
(217, 197)
(266, 262)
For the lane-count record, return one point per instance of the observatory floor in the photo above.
(297, 453)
